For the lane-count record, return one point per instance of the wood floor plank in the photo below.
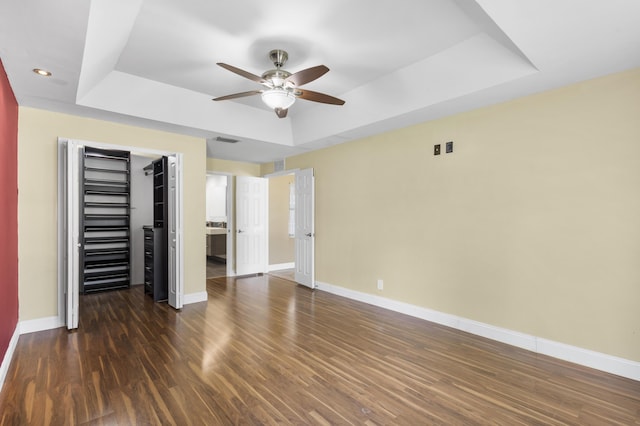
(263, 350)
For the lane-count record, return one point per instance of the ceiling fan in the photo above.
(282, 88)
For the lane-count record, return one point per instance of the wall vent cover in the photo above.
(278, 165)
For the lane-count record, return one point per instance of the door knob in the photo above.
(240, 231)
(308, 235)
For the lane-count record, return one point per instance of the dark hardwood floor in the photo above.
(216, 268)
(263, 350)
(287, 274)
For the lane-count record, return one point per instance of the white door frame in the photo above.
(62, 230)
(231, 259)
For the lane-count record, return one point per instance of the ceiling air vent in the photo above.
(226, 140)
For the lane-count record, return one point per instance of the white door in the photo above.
(174, 234)
(305, 228)
(70, 154)
(251, 225)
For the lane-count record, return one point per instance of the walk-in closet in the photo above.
(123, 231)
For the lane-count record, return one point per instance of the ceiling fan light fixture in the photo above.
(278, 98)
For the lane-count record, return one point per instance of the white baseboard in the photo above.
(599, 361)
(195, 298)
(40, 324)
(8, 355)
(281, 266)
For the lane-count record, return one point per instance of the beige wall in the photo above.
(235, 168)
(37, 199)
(267, 168)
(281, 247)
(532, 223)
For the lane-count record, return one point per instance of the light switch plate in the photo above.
(449, 147)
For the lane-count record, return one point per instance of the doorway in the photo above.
(219, 247)
(293, 207)
(286, 245)
(70, 154)
(282, 225)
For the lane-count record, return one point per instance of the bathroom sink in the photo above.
(216, 231)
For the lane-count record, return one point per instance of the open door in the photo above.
(251, 225)
(69, 159)
(305, 228)
(174, 233)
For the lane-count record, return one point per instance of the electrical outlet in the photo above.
(380, 284)
(436, 149)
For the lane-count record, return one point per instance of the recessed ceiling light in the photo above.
(42, 72)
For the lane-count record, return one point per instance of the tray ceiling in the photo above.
(152, 63)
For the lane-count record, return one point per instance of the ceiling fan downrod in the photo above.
(278, 57)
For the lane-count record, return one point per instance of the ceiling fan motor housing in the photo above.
(278, 57)
(276, 77)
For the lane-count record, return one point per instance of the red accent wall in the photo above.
(8, 212)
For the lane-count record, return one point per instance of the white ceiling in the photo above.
(152, 63)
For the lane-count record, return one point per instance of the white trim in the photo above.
(599, 361)
(8, 355)
(588, 358)
(265, 265)
(231, 223)
(195, 297)
(504, 335)
(62, 234)
(281, 266)
(40, 324)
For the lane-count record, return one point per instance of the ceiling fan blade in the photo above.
(238, 95)
(310, 95)
(243, 73)
(281, 113)
(307, 75)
